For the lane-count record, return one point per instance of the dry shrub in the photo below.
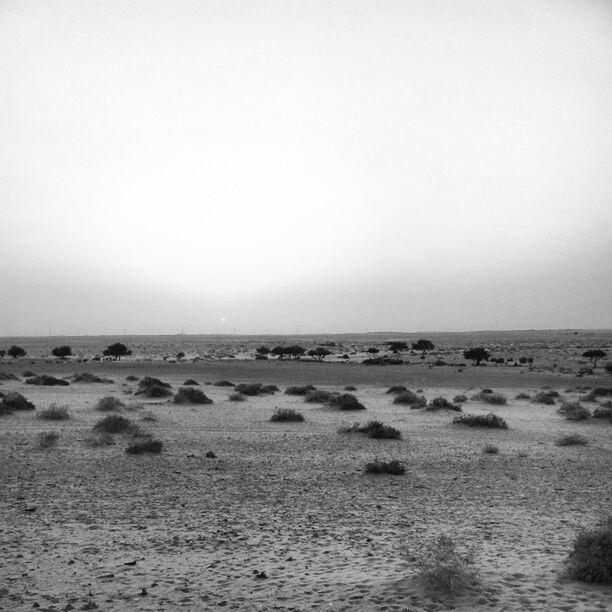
(254, 389)
(47, 439)
(189, 395)
(115, 424)
(410, 398)
(237, 397)
(319, 396)
(443, 568)
(54, 413)
(490, 449)
(545, 397)
(376, 429)
(346, 401)
(350, 388)
(153, 388)
(574, 411)
(100, 438)
(523, 396)
(591, 558)
(603, 412)
(45, 380)
(571, 440)
(190, 382)
(396, 389)
(441, 403)
(87, 377)
(14, 401)
(300, 390)
(460, 399)
(481, 420)
(393, 467)
(223, 383)
(144, 445)
(109, 404)
(488, 396)
(286, 415)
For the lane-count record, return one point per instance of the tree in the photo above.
(262, 350)
(180, 355)
(16, 351)
(477, 354)
(62, 351)
(319, 353)
(373, 350)
(116, 350)
(594, 355)
(397, 346)
(2, 353)
(295, 351)
(423, 345)
(279, 351)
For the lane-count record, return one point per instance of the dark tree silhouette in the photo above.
(423, 345)
(262, 350)
(594, 355)
(116, 350)
(396, 346)
(477, 354)
(62, 351)
(16, 351)
(319, 353)
(373, 350)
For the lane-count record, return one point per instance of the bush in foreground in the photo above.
(571, 440)
(393, 467)
(282, 415)
(109, 404)
(376, 429)
(153, 387)
(481, 420)
(443, 569)
(14, 401)
(591, 558)
(54, 413)
(189, 395)
(574, 411)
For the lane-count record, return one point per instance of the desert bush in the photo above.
(189, 395)
(460, 399)
(591, 558)
(490, 449)
(496, 399)
(350, 388)
(300, 390)
(574, 411)
(286, 414)
(393, 467)
(603, 412)
(191, 383)
(346, 401)
(441, 403)
(410, 398)
(443, 569)
(571, 440)
(109, 404)
(523, 396)
(47, 439)
(8, 376)
(481, 420)
(598, 392)
(87, 377)
(253, 389)
(47, 381)
(144, 445)
(115, 424)
(100, 438)
(608, 367)
(153, 387)
(223, 383)
(131, 378)
(544, 397)
(237, 397)
(396, 389)
(377, 430)
(14, 401)
(319, 396)
(54, 413)
(382, 361)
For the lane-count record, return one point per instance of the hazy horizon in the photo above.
(304, 166)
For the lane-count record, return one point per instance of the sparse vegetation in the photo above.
(496, 399)
(287, 415)
(394, 467)
(300, 390)
(443, 569)
(189, 395)
(481, 420)
(574, 411)
(144, 445)
(54, 413)
(377, 430)
(571, 440)
(603, 412)
(109, 404)
(591, 558)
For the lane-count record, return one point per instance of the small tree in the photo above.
(477, 354)
(594, 355)
(117, 350)
(262, 350)
(397, 346)
(423, 345)
(62, 351)
(279, 351)
(16, 352)
(180, 355)
(319, 353)
(373, 350)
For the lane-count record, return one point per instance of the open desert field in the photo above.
(239, 512)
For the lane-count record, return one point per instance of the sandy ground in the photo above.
(87, 527)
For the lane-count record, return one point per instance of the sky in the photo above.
(304, 166)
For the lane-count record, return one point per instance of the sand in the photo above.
(284, 517)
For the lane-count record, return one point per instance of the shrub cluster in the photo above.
(223, 383)
(377, 430)
(383, 361)
(319, 396)
(481, 420)
(396, 389)
(115, 424)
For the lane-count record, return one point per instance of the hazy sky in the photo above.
(283, 166)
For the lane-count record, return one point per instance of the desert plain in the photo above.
(241, 513)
